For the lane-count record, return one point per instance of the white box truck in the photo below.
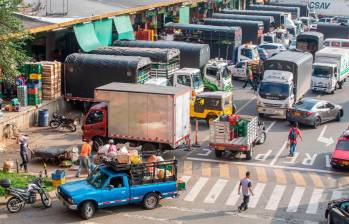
(330, 69)
(286, 79)
(155, 118)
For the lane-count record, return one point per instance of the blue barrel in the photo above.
(43, 118)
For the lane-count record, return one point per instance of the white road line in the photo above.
(310, 222)
(234, 196)
(336, 195)
(278, 154)
(258, 190)
(327, 160)
(266, 165)
(215, 191)
(275, 197)
(270, 126)
(193, 193)
(295, 199)
(151, 218)
(185, 178)
(247, 103)
(314, 201)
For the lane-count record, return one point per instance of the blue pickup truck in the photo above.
(114, 185)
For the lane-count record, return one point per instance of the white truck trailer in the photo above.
(330, 69)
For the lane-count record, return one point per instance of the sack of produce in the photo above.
(123, 151)
(123, 159)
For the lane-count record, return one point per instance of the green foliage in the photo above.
(21, 181)
(12, 40)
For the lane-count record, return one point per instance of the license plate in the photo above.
(297, 114)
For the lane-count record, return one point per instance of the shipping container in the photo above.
(334, 30)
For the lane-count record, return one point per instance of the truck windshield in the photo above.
(212, 71)
(97, 179)
(322, 72)
(268, 90)
(197, 80)
(268, 39)
(250, 53)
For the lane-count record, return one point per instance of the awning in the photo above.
(86, 37)
(103, 29)
(124, 28)
(184, 14)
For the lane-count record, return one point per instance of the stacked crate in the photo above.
(35, 84)
(51, 79)
(22, 95)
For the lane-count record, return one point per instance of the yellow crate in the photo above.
(35, 76)
(56, 183)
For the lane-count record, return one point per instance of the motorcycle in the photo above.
(61, 121)
(20, 197)
(261, 133)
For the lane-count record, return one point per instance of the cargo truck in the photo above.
(310, 42)
(286, 79)
(303, 7)
(85, 72)
(295, 11)
(252, 31)
(268, 21)
(330, 69)
(333, 30)
(154, 118)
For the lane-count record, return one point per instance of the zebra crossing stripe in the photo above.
(336, 195)
(314, 201)
(215, 191)
(258, 190)
(275, 198)
(234, 196)
(295, 199)
(193, 193)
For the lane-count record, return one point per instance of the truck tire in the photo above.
(151, 201)
(249, 154)
(218, 153)
(210, 118)
(87, 210)
(340, 85)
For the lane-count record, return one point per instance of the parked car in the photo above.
(293, 45)
(340, 155)
(273, 48)
(338, 211)
(314, 112)
(263, 54)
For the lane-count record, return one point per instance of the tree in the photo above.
(12, 40)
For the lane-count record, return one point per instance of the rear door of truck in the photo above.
(182, 117)
(116, 191)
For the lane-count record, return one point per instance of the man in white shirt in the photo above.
(246, 186)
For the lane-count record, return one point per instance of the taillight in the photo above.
(308, 114)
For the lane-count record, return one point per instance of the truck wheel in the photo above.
(210, 118)
(249, 154)
(87, 210)
(340, 85)
(262, 138)
(150, 201)
(218, 153)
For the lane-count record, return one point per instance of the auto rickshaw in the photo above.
(210, 105)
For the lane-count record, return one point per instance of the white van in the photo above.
(336, 42)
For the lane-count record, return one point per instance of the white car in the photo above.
(273, 48)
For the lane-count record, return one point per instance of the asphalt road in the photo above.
(286, 190)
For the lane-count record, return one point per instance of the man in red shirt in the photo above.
(293, 134)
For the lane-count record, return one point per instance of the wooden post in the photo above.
(196, 143)
(17, 168)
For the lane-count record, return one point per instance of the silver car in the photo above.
(314, 112)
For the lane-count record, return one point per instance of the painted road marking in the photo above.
(327, 160)
(234, 196)
(193, 193)
(278, 154)
(207, 152)
(188, 167)
(262, 174)
(295, 199)
(270, 126)
(266, 165)
(293, 159)
(242, 171)
(264, 156)
(224, 170)
(215, 191)
(258, 190)
(280, 176)
(275, 198)
(247, 103)
(336, 195)
(314, 201)
(316, 180)
(206, 169)
(298, 178)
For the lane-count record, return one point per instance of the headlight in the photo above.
(70, 201)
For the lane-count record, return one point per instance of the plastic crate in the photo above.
(36, 68)
(56, 183)
(58, 174)
(35, 76)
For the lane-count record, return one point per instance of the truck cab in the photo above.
(268, 38)
(275, 94)
(249, 53)
(324, 77)
(190, 77)
(216, 76)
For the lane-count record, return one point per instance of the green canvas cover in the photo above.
(184, 14)
(103, 29)
(124, 28)
(86, 37)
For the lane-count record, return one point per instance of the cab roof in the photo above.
(217, 94)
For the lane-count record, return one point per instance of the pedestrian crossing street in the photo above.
(268, 196)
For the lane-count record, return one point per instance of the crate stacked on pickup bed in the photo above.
(51, 79)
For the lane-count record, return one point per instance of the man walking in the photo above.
(249, 77)
(293, 134)
(24, 148)
(84, 157)
(246, 186)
